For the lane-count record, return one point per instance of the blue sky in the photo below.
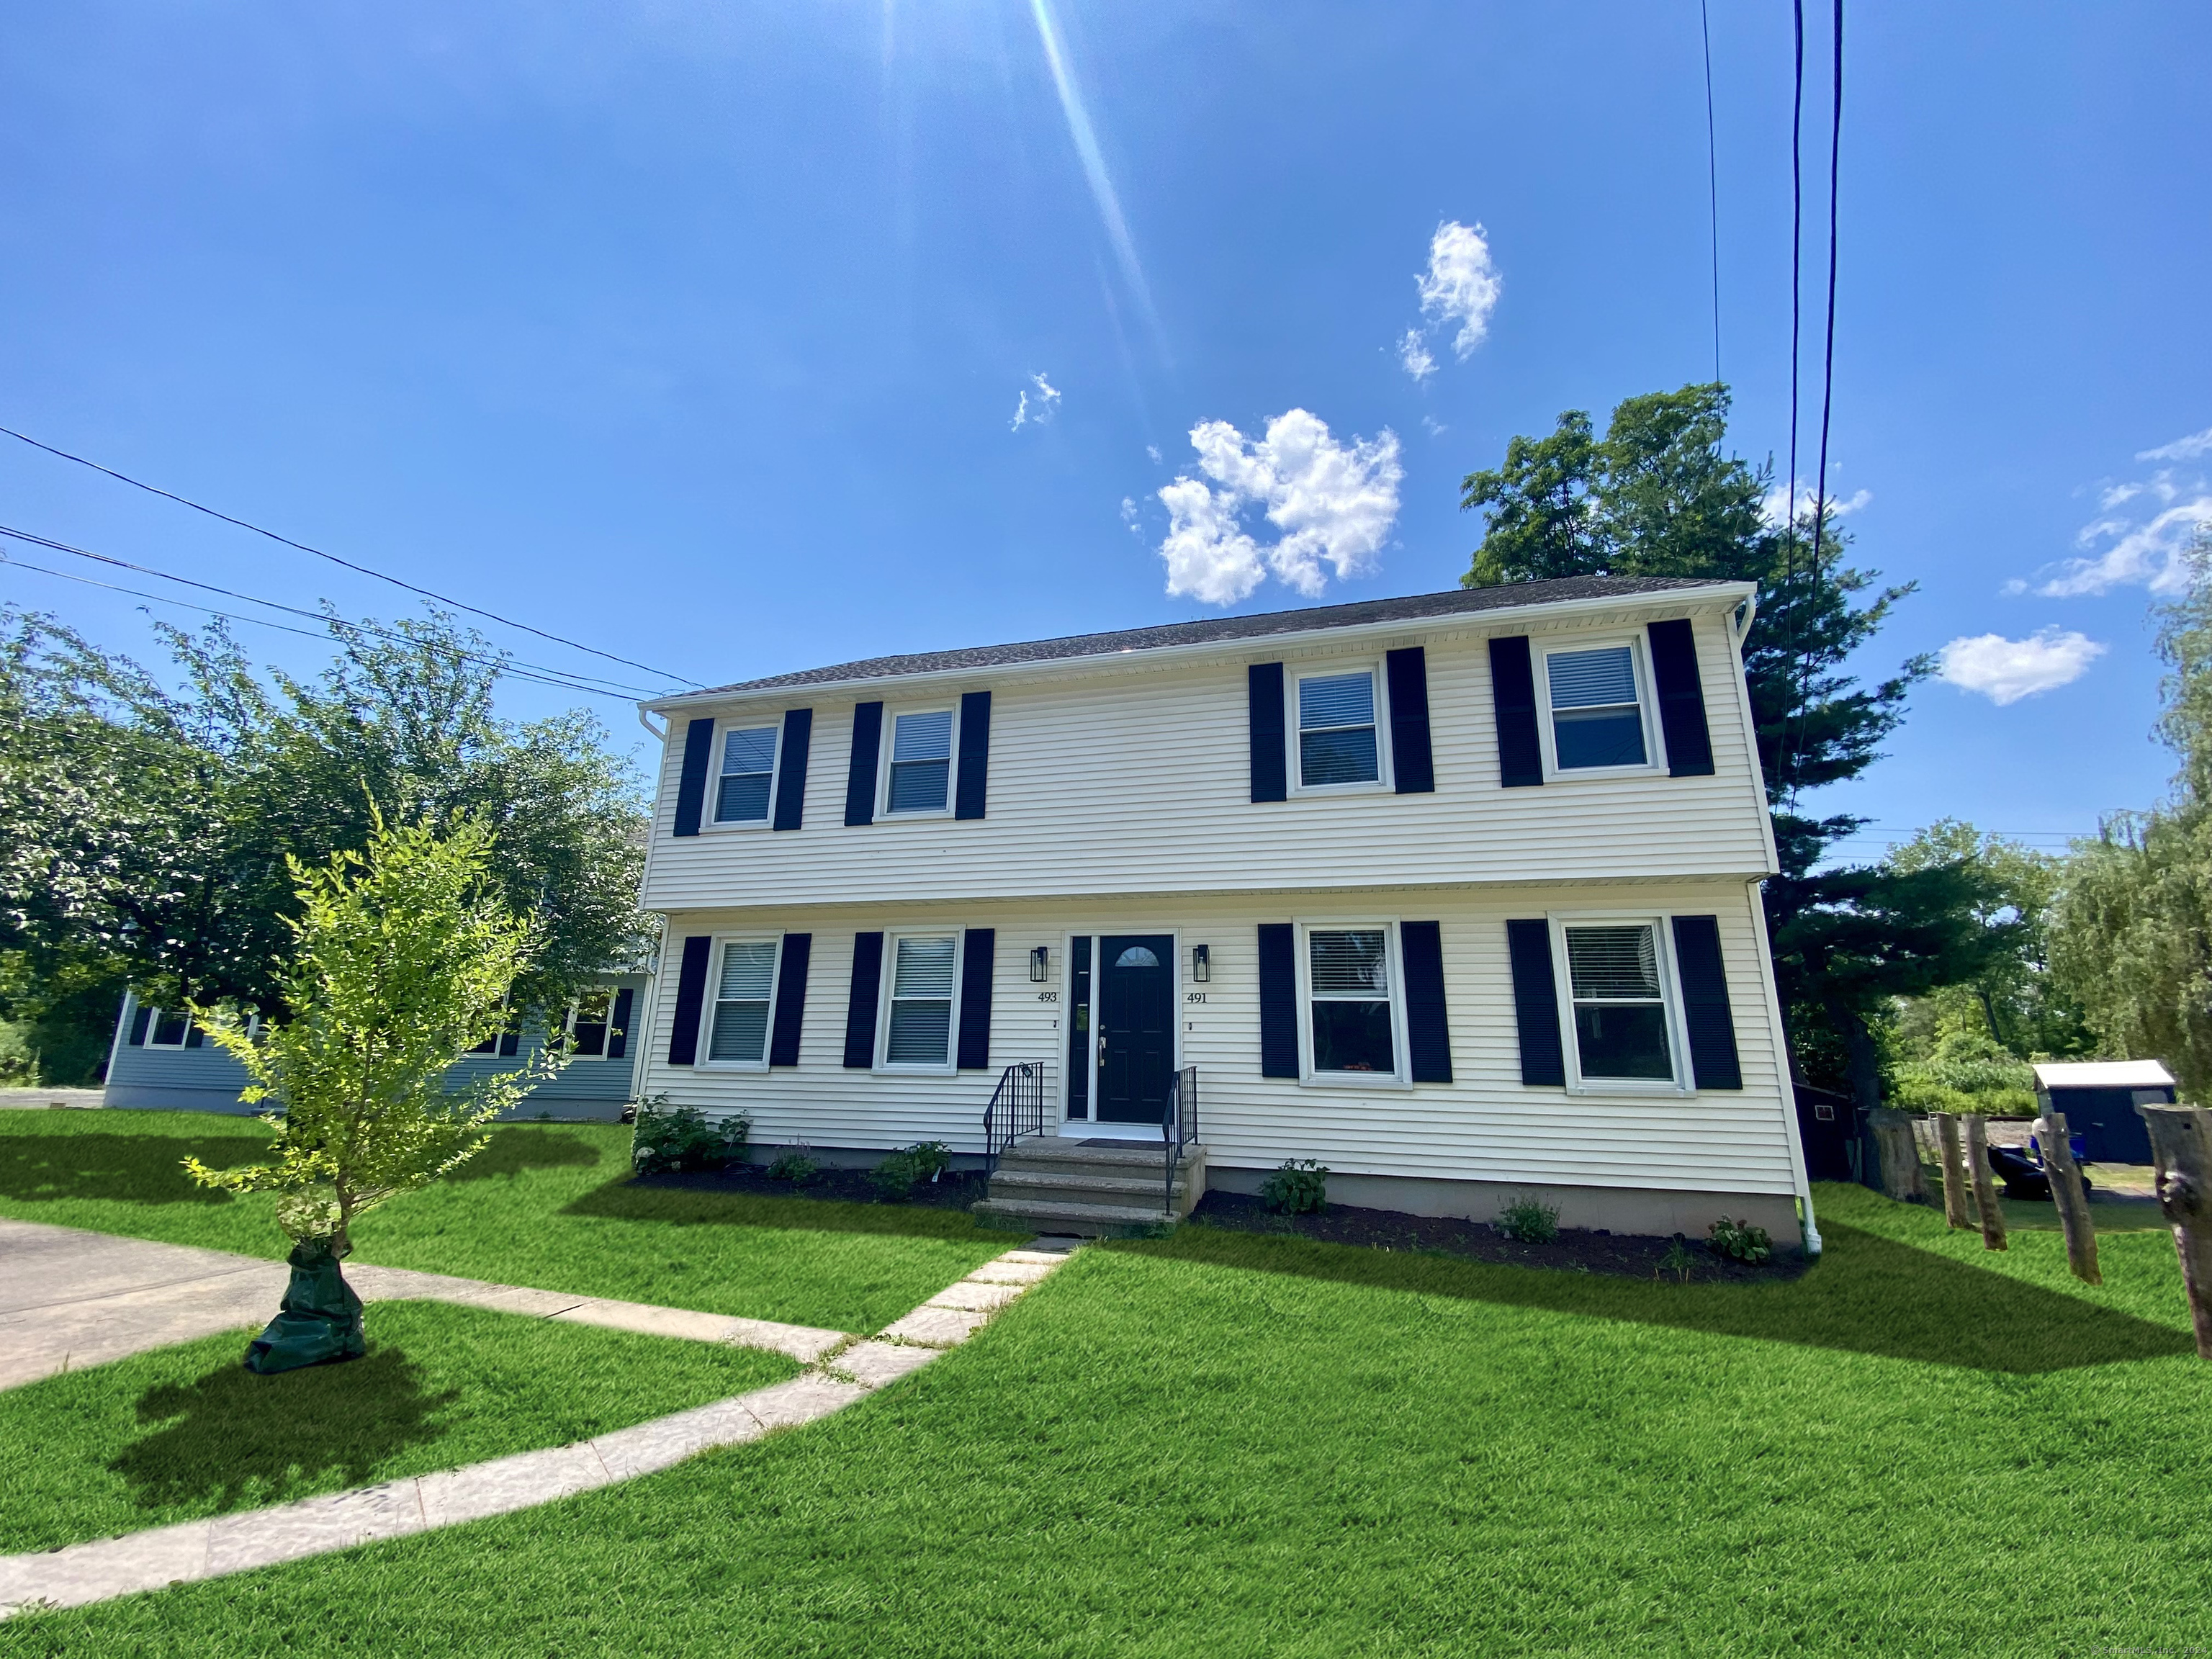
(699, 333)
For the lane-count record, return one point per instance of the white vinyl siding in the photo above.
(918, 1012)
(744, 990)
(742, 789)
(919, 778)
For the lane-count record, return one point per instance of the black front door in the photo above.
(1136, 1027)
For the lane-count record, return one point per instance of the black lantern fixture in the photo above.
(1040, 959)
(1202, 963)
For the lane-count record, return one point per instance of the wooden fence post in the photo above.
(1986, 1191)
(2181, 1152)
(2072, 1203)
(1955, 1171)
(1900, 1155)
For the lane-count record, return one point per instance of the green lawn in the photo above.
(550, 1207)
(188, 1431)
(1222, 1445)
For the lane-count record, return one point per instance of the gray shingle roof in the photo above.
(1419, 607)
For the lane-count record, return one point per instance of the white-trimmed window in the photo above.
(920, 995)
(745, 784)
(1339, 740)
(918, 762)
(1623, 1027)
(744, 991)
(1350, 1008)
(591, 1019)
(167, 1028)
(1598, 714)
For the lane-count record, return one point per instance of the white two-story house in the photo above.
(1457, 894)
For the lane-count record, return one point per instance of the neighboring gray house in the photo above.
(160, 1058)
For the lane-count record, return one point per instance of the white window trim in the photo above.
(1670, 994)
(887, 976)
(154, 1026)
(1401, 1078)
(708, 821)
(889, 740)
(705, 1048)
(1654, 748)
(575, 1006)
(1293, 760)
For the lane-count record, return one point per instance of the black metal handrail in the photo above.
(1017, 1109)
(1178, 1128)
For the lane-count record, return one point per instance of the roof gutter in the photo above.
(1050, 667)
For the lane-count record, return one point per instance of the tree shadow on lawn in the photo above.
(1866, 1295)
(230, 1438)
(130, 1169)
(628, 1201)
(513, 1150)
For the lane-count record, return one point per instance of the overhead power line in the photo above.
(1828, 367)
(534, 672)
(474, 611)
(1712, 179)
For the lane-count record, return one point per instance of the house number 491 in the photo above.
(1194, 996)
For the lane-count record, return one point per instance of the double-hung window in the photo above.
(1350, 1013)
(168, 1028)
(591, 1017)
(1617, 978)
(920, 777)
(744, 987)
(1596, 714)
(741, 794)
(1338, 741)
(918, 1019)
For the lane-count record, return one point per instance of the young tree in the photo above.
(403, 960)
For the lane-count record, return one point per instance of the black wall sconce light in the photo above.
(1201, 963)
(1040, 959)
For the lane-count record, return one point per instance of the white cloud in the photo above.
(2150, 553)
(1461, 284)
(2115, 495)
(1336, 504)
(1036, 414)
(2005, 670)
(1413, 355)
(1774, 506)
(1153, 450)
(2181, 449)
(1129, 516)
(1437, 429)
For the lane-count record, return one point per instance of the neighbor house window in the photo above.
(168, 1028)
(748, 766)
(591, 1017)
(1336, 730)
(1348, 983)
(741, 995)
(1621, 1002)
(921, 762)
(919, 1029)
(1596, 720)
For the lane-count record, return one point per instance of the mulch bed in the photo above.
(955, 1189)
(1625, 1255)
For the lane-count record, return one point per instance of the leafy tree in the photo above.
(404, 958)
(1963, 1068)
(2132, 940)
(1658, 495)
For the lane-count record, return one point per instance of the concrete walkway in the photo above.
(105, 1568)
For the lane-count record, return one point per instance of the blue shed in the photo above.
(2099, 1097)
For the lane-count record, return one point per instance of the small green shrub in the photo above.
(894, 1178)
(1677, 1261)
(1740, 1240)
(1530, 1221)
(671, 1138)
(1300, 1187)
(932, 1158)
(793, 1166)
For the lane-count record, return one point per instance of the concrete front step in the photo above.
(1088, 1220)
(1051, 1183)
(1071, 1187)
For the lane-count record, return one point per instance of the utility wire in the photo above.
(1712, 181)
(504, 664)
(1787, 757)
(474, 611)
(1828, 370)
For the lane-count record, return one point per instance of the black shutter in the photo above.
(790, 999)
(691, 787)
(510, 1043)
(1513, 696)
(1279, 997)
(1713, 1062)
(791, 767)
(974, 755)
(1411, 762)
(860, 774)
(1536, 1003)
(618, 1027)
(976, 949)
(1428, 1032)
(138, 1023)
(691, 1000)
(1682, 700)
(868, 975)
(1264, 686)
(194, 1037)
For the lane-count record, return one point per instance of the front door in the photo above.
(1136, 1026)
